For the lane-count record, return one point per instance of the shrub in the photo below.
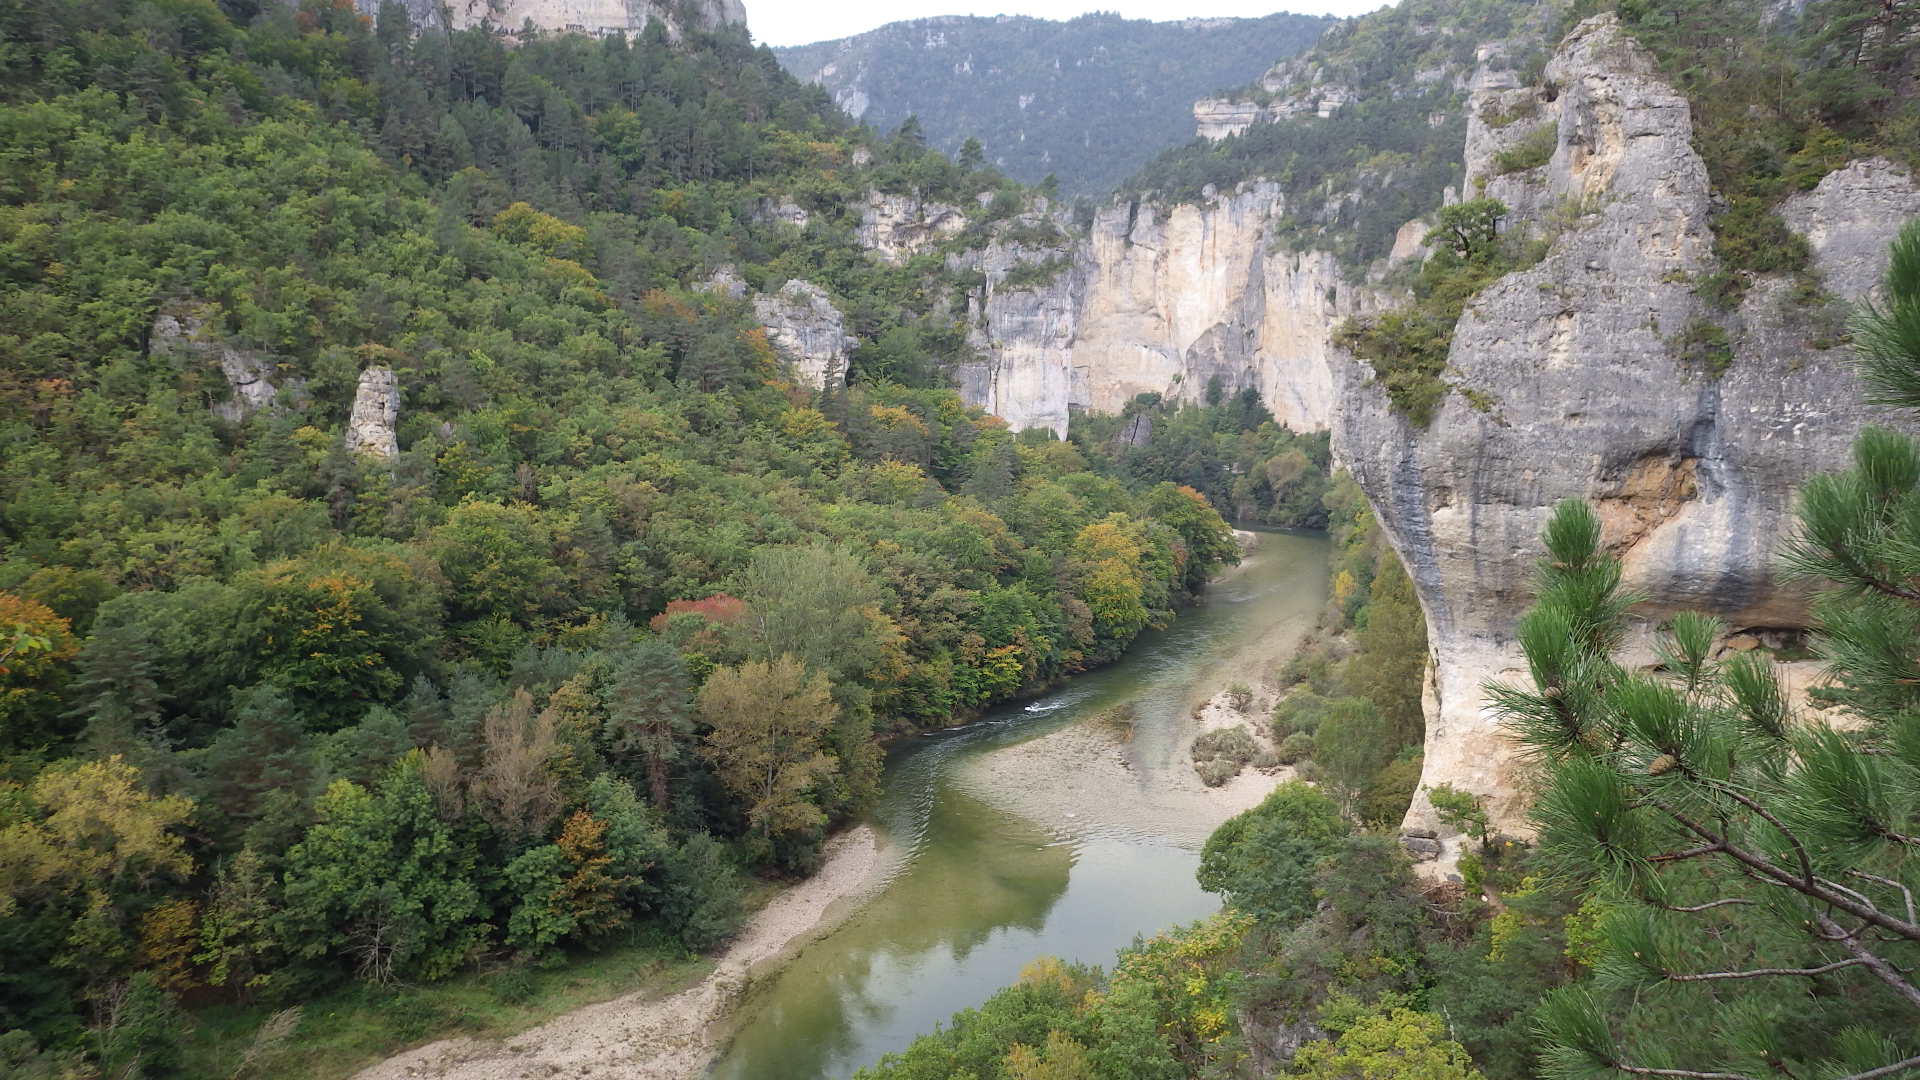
(1299, 711)
(1240, 696)
(514, 986)
(1704, 346)
(1534, 149)
(1218, 756)
(1295, 748)
(1216, 771)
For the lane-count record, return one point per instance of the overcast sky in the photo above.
(799, 22)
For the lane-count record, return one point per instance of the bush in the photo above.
(1298, 711)
(1240, 696)
(702, 904)
(1533, 150)
(1218, 756)
(514, 986)
(1232, 743)
(1704, 346)
(1216, 771)
(1295, 748)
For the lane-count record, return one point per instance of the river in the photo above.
(981, 880)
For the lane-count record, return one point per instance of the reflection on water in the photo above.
(977, 892)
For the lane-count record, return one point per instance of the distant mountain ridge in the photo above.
(1088, 100)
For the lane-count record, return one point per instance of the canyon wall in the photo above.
(1584, 388)
(1167, 300)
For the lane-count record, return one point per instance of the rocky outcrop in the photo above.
(1218, 118)
(1023, 320)
(253, 379)
(807, 331)
(597, 17)
(1167, 300)
(898, 227)
(1192, 296)
(1581, 391)
(1848, 219)
(376, 410)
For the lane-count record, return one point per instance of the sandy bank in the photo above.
(1067, 781)
(638, 1037)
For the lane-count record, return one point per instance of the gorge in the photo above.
(1569, 376)
(533, 542)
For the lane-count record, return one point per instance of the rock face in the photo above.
(1588, 397)
(1179, 299)
(1217, 118)
(1172, 301)
(1023, 320)
(807, 330)
(597, 17)
(253, 378)
(898, 227)
(376, 409)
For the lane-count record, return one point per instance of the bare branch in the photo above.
(1760, 973)
(1874, 963)
(1708, 905)
(1884, 1070)
(1690, 853)
(1806, 863)
(1693, 1074)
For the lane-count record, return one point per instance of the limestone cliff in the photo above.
(596, 17)
(1180, 297)
(1166, 300)
(807, 331)
(1583, 392)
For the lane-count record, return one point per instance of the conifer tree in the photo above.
(1756, 868)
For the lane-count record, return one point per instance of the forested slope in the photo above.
(1086, 100)
(600, 608)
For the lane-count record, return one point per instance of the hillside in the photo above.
(1086, 101)
(465, 502)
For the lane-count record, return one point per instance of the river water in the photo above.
(980, 881)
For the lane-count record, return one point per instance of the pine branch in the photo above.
(1694, 1074)
(1819, 889)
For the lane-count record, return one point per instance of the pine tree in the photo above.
(650, 712)
(1756, 869)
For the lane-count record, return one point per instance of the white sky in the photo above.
(799, 22)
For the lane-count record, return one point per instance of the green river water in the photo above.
(978, 884)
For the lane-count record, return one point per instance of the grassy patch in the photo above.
(1034, 275)
(1704, 346)
(1526, 108)
(1534, 149)
(352, 1028)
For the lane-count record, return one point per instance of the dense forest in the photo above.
(1086, 100)
(615, 624)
